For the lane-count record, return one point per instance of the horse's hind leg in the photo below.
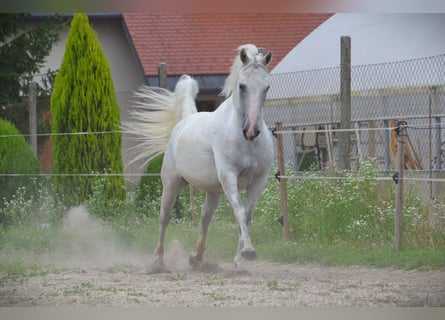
(209, 207)
(170, 191)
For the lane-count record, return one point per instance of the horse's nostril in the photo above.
(246, 136)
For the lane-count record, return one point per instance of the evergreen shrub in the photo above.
(16, 157)
(84, 101)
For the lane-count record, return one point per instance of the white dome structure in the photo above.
(375, 38)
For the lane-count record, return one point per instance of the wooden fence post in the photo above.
(162, 75)
(283, 188)
(32, 104)
(398, 219)
(344, 144)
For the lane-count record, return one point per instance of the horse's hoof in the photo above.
(157, 267)
(249, 254)
(194, 262)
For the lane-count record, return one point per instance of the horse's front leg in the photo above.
(209, 207)
(245, 248)
(253, 194)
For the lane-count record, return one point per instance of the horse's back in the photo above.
(190, 152)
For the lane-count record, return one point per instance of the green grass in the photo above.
(222, 243)
(344, 255)
(18, 270)
(332, 222)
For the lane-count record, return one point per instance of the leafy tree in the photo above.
(23, 51)
(16, 157)
(84, 100)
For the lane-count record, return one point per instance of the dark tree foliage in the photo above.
(23, 51)
(84, 101)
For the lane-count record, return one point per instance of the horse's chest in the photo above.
(253, 161)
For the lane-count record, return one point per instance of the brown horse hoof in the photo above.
(157, 267)
(249, 254)
(203, 266)
(194, 262)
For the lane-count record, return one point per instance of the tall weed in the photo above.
(329, 213)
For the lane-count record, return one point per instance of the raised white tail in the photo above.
(156, 112)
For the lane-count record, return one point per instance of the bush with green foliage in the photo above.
(16, 157)
(149, 191)
(353, 209)
(334, 229)
(84, 101)
(150, 187)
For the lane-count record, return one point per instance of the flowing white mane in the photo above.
(253, 54)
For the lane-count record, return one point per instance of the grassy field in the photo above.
(332, 222)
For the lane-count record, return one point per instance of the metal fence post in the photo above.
(283, 187)
(398, 220)
(344, 144)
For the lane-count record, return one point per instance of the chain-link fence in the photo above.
(307, 103)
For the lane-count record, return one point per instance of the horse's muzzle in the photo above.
(250, 132)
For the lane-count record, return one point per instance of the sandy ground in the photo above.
(89, 277)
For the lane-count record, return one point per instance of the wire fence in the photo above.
(308, 109)
(308, 105)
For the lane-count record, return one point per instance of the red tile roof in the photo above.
(203, 44)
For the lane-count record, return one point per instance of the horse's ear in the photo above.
(268, 58)
(243, 56)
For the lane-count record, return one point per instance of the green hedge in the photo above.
(149, 192)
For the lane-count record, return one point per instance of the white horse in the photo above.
(221, 151)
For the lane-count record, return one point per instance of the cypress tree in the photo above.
(84, 100)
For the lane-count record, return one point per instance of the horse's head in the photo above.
(250, 91)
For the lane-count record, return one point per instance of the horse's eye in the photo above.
(242, 87)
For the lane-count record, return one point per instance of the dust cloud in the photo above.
(85, 241)
(88, 242)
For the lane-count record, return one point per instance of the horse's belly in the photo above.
(197, 167)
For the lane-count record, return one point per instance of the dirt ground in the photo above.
(258, 284)
(89, 277)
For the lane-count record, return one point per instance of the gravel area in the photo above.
(93, 269)
(259, 283)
